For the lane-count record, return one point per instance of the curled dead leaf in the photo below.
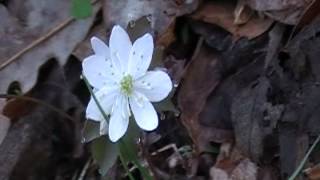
(161, 14)
(313, 173)
(232, 165)
(193, 94)
(221, 13)
(288, 12)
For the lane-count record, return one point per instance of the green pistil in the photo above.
(126, 85)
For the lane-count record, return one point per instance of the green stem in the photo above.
(142, 169)
(105, 116)
(304, 160)
(123, 162)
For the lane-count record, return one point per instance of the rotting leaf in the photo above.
(44, 135)
(4, 122)
(105, 153)
(84, 48)
(247, 113)
(167, 104)
(221, 13)
(288, 12)
(232, 165)
(91, 131)
(308, 16)
(52, 39)
(161, 14)
(139, 27)
(4, 127)
(193, 95)
(313, 172)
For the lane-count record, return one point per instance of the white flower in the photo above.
(122, 83)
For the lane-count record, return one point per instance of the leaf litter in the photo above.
(245, 104)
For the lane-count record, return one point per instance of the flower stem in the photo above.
(304, 160)
(142, 169)
(123, 162)
(105, 116)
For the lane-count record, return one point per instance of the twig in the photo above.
(39, 40)
(38, 101)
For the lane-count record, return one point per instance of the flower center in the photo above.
(126, 85)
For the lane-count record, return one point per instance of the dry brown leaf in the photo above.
(24, 50)
(222, 14)
(285, 11)
(161, 14)
(242, 13)
(84, 49)
(313, 173)
(232, 165)
(202, 76)
(308, 16)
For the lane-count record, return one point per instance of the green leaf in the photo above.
(105, 153)
(91, 131)
(128, 148)
(128, 145)
(81, 9)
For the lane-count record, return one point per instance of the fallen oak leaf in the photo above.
(193, 94)
(313, 172)
(288, 12)
(222, 14)
(232, 165)
(161, 14)
(53, 45)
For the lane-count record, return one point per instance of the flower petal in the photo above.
(144, 112)
(120, 46)
(119, 120)
(103, 127)
(140, 56)
(100, 48)
(106, 97)
(93, 112)
(155, 85)
(99, 71)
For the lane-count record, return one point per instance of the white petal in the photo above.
(140, 56)
(106, 97)
(100, 48)
(120, 46)
(99, 71)
(155, 85)
(119, 120)
(103, 127)
(143, 111)
(93, 112)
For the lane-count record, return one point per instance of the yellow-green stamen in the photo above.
(126, 85)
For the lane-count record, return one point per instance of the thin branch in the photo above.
(41, 39)
(38, 101)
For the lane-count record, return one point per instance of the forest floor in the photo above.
(245, 104)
